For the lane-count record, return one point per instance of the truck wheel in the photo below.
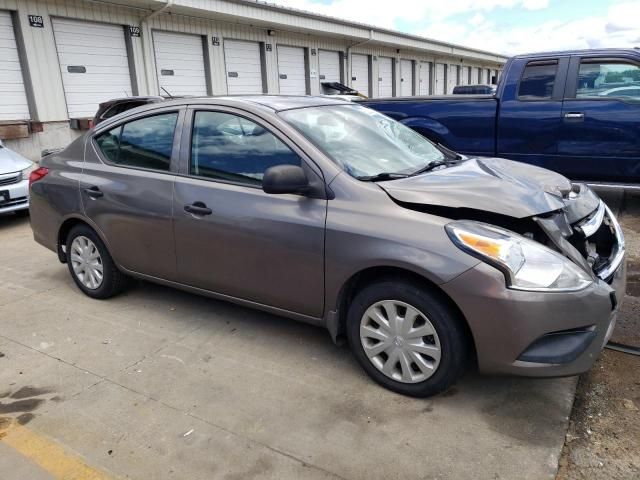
(91, 266)
(407, 338)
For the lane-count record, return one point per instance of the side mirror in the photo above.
(285, 179)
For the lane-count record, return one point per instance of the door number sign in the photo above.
(36, 21)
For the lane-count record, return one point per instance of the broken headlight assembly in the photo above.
(526, 264)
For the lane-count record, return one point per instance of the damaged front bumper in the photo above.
(550, 333)
(510, 327)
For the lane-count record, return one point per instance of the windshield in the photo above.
(363, 142)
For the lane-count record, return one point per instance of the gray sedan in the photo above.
(333, 214)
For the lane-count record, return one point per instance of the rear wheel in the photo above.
(91, 267)
(407, 338)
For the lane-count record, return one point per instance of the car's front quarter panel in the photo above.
(367, 229)
(506, 322)
(56, 197)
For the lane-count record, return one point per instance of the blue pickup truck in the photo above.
(576, 112)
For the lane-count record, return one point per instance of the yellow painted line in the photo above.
(47, 454)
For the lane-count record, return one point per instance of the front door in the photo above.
(127, 188)
(600, 137)
(530, 113)
(231, 237)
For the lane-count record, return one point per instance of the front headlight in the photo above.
(27, 171)
(526, 264)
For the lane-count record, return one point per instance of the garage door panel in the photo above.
(406, 78)
(242, 58)
(101, 50)
(385, 77)
(440, 86)
(329, 66)
(182, 55)
(291, 70)
(13, 98)
(360, 71)
(425, 78)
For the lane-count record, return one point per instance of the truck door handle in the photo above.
(93, 192)
(574, 116)
(198, 208)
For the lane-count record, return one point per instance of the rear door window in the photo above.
(143, 143)
(232, 148)
(608, 79)
(538, 80)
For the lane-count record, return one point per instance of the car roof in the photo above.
(272, 102)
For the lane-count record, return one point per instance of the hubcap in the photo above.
(400, 341)
(86, 262)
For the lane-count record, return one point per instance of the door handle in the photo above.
(198, 208)
(574, 116)
(93, 192)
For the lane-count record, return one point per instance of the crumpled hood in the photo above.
(494, 185)
(11, 161)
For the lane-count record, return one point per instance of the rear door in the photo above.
(250, 245)
(292, 70)
(530, 116)
(600, 136)
(180, 63)
(127, 189)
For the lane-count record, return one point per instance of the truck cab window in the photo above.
(608, 79)
(537, 81)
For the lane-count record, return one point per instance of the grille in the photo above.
(599, 238)
(10, 180)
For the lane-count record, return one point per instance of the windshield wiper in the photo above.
(379, 177)
(428, 167)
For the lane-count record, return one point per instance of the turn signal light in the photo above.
(37, 174)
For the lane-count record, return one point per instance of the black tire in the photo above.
(446, 321)
(113, 281)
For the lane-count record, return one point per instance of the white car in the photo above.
(14, 180)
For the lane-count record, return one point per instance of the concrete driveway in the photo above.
(158, 383)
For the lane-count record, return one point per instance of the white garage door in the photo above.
(406, 78)
(425, 78)
(452, 79)
(13, 99)
(179, 63)
(385, 77)
(440, 79)
(360, 73)
(329, 66)
(464, 75)
(291, 70)
(93, 62)
(475, 76)
(243, 67)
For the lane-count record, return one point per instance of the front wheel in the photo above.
(407, 338)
